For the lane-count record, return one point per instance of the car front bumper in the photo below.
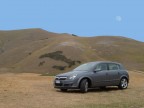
(66, 84)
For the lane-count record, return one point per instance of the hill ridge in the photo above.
(20, 50)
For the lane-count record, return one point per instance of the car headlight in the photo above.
(73, 77)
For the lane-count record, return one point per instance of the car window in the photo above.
(102, 66)
(113, 66)
(85, 67)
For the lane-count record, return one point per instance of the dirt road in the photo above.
(34, 91)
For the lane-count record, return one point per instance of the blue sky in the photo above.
(80, 17)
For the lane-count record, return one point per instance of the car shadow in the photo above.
(108, 89)
(93, 90)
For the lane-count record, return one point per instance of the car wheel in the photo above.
(63, 90)
(123, 83)
(84, 86)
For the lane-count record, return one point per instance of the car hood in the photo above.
(71, 73)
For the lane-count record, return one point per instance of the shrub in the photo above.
(74, 35)
(41, 63)
(78, 62)
(59, 67)
(58, 55)
(30, 53)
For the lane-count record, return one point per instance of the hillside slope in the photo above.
(40, 51)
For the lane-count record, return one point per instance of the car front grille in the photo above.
(58, 84)
(61, 84)
(67, 85)
(61, 78)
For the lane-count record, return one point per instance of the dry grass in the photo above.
(35, 91)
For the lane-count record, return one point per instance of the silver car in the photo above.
(93, 74)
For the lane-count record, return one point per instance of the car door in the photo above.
(99, 75)
(113, 74)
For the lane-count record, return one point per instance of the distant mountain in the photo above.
(40, 51)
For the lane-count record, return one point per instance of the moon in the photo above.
(118, 18)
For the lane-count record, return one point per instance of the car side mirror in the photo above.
(97, 70)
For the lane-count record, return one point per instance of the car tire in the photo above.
(63, 90)
(84, 86)
(123, 83)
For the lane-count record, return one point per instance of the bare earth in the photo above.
(34, 91)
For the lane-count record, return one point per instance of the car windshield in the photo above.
(85, 67)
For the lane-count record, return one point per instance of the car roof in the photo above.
(96, 62)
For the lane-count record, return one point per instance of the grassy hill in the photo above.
(40, 51)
